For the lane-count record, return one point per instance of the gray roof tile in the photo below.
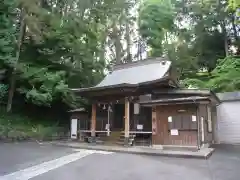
(137, 73)
(229, 96)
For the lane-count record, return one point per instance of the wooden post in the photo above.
(93, 121)
(126, 119)
(198, 128)
(203, 129)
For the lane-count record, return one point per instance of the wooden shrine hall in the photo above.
(141, 103)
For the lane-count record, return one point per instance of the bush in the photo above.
(16, 127)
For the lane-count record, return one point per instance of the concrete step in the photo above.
(123, 144)
(180, 148)
(114, 136)
(130, 136)
(145, 142)
(123, 140)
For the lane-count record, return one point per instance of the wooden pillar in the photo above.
(93, 121)
(154, 125)
(203, 129)
(126, 118)
(198, 128)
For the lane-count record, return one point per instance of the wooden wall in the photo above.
(163, 135)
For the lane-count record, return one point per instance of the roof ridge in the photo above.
(139, 63)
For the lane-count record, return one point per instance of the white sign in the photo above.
(74, 128)
(194, 118)
(139, 127)
(136, 108)
(170, 119)
(107, 127)
(174, 132)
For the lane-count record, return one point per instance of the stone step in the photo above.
(123, 144)
(113, 138)
(142, 142)
(122, 140)
(130, 136)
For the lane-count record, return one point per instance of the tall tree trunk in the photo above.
(139, 51)
(103, 46)
(117, 44)
(22, 29)
(225, 38)
(235, 33)
(223, 27)
(129, 56)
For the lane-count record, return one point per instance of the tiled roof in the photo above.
(137, 73)
(229, 96)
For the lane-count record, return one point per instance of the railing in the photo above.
(140, 132)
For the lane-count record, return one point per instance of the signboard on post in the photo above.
(74, 128)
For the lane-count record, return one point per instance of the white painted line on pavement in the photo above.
(95, 151)
(34, 171)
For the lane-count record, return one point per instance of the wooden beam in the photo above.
(126, 118)
(93, 121)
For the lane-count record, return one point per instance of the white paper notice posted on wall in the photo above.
(194, 118)
(139, 127)
(174, 132)
(170, 119)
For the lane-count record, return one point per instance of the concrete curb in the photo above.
(134, 151)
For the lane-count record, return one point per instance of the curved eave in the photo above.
(122, 89)
(97, 91)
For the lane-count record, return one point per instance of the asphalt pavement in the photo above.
(46, 162)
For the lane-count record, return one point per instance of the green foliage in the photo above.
(233, 4)
(192, 34)
(61, 48)
(193, 83)
(155, 18)
(3, 92)
(7, 32)
(41, 86)
(68, 44)
(209, 47)
(226, 76)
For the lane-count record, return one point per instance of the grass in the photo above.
(20, 127)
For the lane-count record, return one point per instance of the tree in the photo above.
(226, 76)
(22, 29)
(156, 19)
(233, 4)
(60, 44)
(7, 33)
(208, 42)
(119, 40)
